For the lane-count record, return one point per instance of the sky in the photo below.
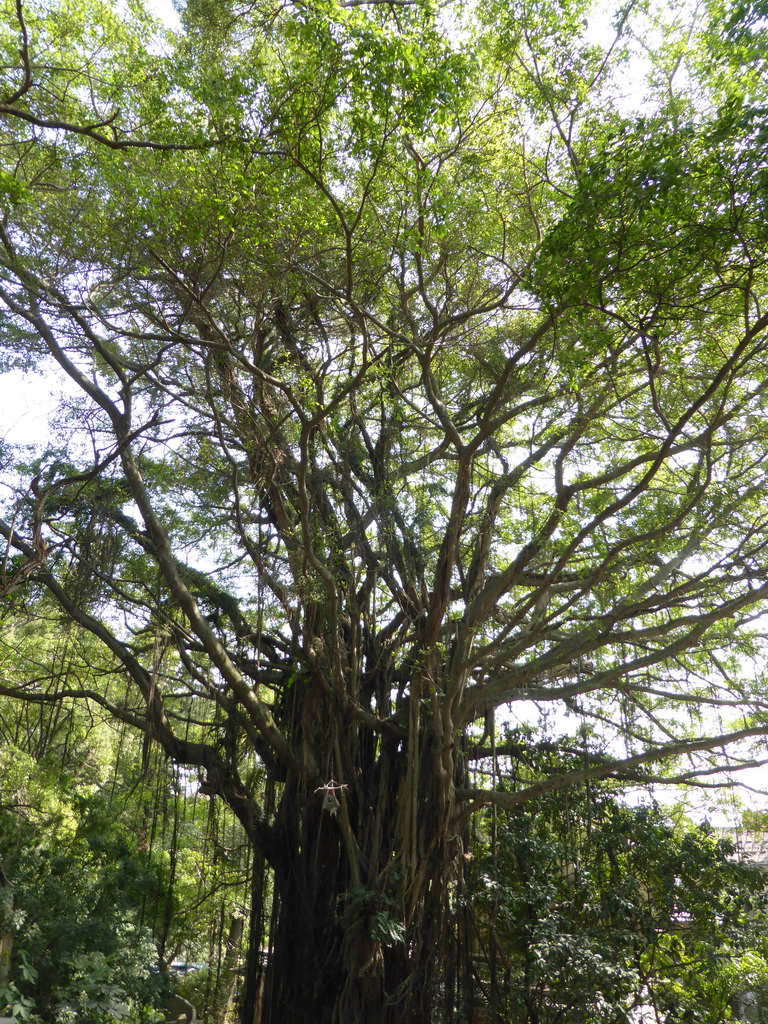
(164, 9)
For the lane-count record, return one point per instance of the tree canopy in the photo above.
(415, 375)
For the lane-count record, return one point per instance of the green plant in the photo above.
(371, 912)
(12, 1001)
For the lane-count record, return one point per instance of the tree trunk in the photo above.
(320, 972)
(371, 948)
(6, 938)
(227, 981)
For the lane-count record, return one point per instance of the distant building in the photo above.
(750, 846)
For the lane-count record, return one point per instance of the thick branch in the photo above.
(616, 769)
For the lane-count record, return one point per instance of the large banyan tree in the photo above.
(412, 363)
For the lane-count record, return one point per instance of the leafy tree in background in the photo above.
(114, 866)
(411, 374)
(589, 910)
(77, 883)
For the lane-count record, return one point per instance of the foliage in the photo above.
(77, 888)
(371, 912)
(12, 1002)
(415, 372)
(99, 898)
(597, 908)
(195, 986)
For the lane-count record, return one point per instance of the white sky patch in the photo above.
(165, 11)
(26, 403)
